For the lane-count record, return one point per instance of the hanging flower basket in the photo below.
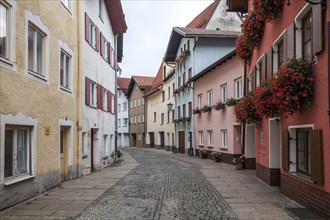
(268, 10)
(196, 110)
(206, 108)
(219, 105)
(231, 102)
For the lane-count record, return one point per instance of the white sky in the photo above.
(150, 23)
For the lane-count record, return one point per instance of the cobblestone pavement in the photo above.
(160, 188)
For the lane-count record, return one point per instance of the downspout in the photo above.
(79, 88)
(244, 94)
(116, 101)
(328, 24)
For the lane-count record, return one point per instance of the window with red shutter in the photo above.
(87, 91)
(109, 52)
(99, 96)
(87, 34)
(101, 45)
(109, 101)
(97, 39)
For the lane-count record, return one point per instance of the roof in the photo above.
(116, 15)
(144, 82)
(158, 81)
(201, 20)
(179, 32)
(214, 65)
(123, 83)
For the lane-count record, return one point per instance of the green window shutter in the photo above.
(285, 150)
(317, 168)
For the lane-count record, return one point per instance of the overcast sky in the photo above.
(150, 23)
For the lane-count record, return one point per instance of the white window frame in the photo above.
(224, 138)
(119, 122)
(18, 120)
(64, 48)
(224, 92)
(132, 120)
(162, 118)
(200, 101)
(119, 107)
(132, 104)
(142, 101)
(155, 116)
(124, 106)
(210, 97)
(101, 10)
(9, 61)
(210, 138)
(275, 51)
(105, 100)
(201, 137)
(105, 144)
(38, 26)
(125, 120)
(135, 119)
(93, 94)
(142, 118)
(139, 118)
(67, 5)
(139, 102)
(238, 88)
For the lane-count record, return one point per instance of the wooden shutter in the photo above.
(317, 168)
(269, 64)
(87, 34)
(263, 68)
(87, 91)
(115, 104)
(108, 45)
(285, 150)
(97, 38)
(109, 101)
(253, 78)
(114, 59)
(290, 42)
(110, 57)
(317, 28)
(101, 44)
(99, 96)
(285, 45)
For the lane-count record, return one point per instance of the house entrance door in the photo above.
(63, 152)
(181, 142)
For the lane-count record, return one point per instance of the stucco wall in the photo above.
(43, 101)
(123, 136)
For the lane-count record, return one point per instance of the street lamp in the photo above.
(169, 106)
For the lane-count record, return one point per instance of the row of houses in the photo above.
(58, 61)
(245, 91)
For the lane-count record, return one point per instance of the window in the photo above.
(200, 101)
(238, 88)
(93, 34)
(67, 4)
(124, 106)
(134, 103)
(201, 138)
(173, 88)
(184, 78)
(173, 115)
(125, 122)
(210, 134)
(249, 81)
(142, 101)
(105, 143)
(101, 9)
(179, 81)
(83, 141)
(179, 112)
(258, 73)
(224, 138)
(189, 109)
(105, 100)
(142, 118)
(223, 92)
(168, 117)
(104, 48)
(119, 94)
(36, 50)
(119, 107)
(307, 35)
(17, 151)
(131, 104)
(168, 92)
(155, 116)
(280, 54)
(65, 60)
(184, 110)
(139, 102)
(93, 94)
(303, 151)
(135, 120)
(163, 96)
(132, 120)
(189, 72)
(139, 136)
(210, 98)
(139, 119)
(119, 123)
(162, 118)
(4, 30)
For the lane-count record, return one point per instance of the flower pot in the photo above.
(217, 159)
(204, 156)
(239, 166)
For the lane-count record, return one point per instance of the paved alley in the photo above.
(156, 184)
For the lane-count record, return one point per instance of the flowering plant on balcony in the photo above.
(268, 10)
(219, 105)
(206, 108)
(231, 102)
(196, 110)
(243, 50)
(253, 29)
(293, 86)
(246, 112)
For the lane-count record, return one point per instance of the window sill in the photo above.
(6, 61)
(224, 148)
(302, 176)
(37, 75)
(210, 147)
(17, 179)
(66, 89)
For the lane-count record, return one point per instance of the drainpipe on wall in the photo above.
(116, 101)
(79, 89)
(328, 24)
(244, 125)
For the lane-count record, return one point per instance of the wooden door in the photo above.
(152, 139)
(181, 142)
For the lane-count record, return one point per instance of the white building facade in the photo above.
(122, 112)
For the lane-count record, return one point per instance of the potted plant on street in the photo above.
(216, 156)
(239, 162)
(119, 153)
(174, 150)
(203, 153)
(190, 151)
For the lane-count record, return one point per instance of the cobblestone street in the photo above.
(156, 184)
(161, 188)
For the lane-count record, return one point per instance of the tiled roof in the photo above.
(196, 32)
(144, 81)
(158, 80)
(201, 20)
(123, 82)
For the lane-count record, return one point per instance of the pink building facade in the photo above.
(216, 130)
(293, 151)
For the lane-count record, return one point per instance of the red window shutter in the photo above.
(269, 69)
(101, 44)
(108, 45)
(99, 92)
(290, 42)
(97, 39)
(114, 59)
(317, 28)
(87, 91)
(111, 55)
(317, 167)
(109, 101)
(263, 68)
(285, 150)
(87, 28)
(115, 104)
